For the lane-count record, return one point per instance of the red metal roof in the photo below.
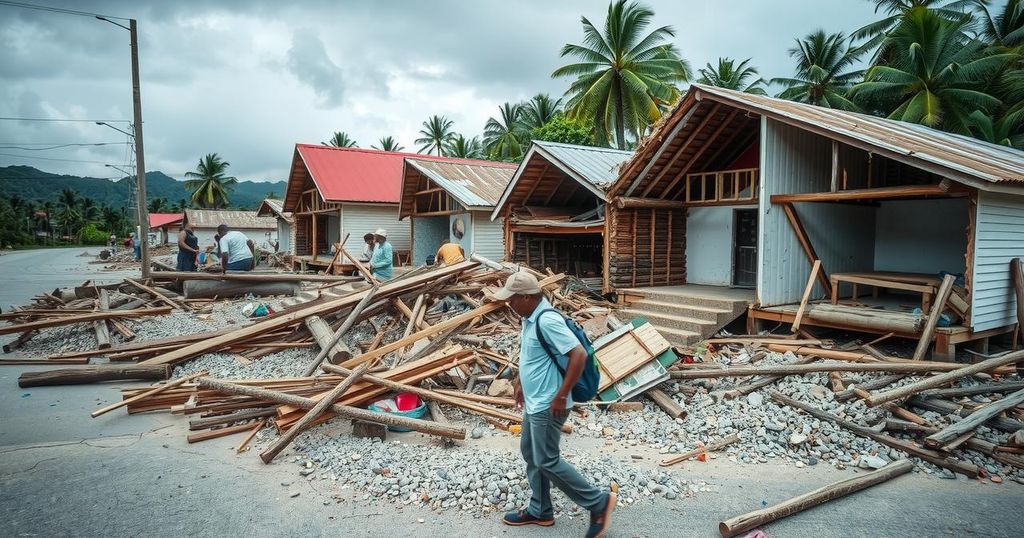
(157, 220)
(359, 175)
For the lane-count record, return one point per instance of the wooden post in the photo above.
(321, 332)
(326, 401)
(944, 379)
(666, 403)
(345, 326)
(313, 218)
(975, 419)
(1017, 273)
(148, 393)
(805, 243)
(933, 317)
(93, 374)
(807, 295)
(743, 523)
(346, 411)
(100, 326)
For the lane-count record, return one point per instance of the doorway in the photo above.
(744, 256)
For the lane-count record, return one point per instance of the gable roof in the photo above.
(157, 220)
(351, 174)
(274, 208)
(211, 218)
(474, 186)
(960, 158)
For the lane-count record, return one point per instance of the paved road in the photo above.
(64, 474)
(26, 273)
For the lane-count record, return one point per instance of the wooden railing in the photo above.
(721, 188)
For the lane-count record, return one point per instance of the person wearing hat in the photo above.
(546, 398)
(382, 261)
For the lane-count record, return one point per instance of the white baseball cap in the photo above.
(519, 283)
(381, 232)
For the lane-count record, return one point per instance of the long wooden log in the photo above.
(762, 382)
(84, 318)
(241, 416)
(251, 276)
(94, 374)
(938, 305)
(666, 403)
(346, 411)
(806, 296)
(328, 400)
(324, 337)
(345, 326)
(975, 419)
(909, 447)
(947, 407)
(865, 318)
(743, 523)
(871, 384)
(717, 445)
(387, 290)
(100, 326)
(489, 400)
(148, 393)
(984, 388)
(945, 379)
(801, 369)
(206, 289)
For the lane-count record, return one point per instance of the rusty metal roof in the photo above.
(955, 156)
(211, 218)
(474, 185)
(274, 208)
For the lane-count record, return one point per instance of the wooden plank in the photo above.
(807, 295)
(946, 378)
(805, 243)
(100, 327)
(942, 189)
(972, 421)
(84, 318)
(157, 295)
(933, 317)
(148, 394)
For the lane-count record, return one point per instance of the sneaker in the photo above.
(600, 520)
(523, 517)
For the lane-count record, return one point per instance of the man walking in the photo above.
(382, 261)
(236, 250)
(547, 397)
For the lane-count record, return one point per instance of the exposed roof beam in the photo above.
(682, 148)
(700, 151)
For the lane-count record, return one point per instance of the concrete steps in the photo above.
(670, 321)
(685, 316)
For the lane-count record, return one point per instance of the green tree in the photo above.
(340, 140)
(89, 210)
(624, 79)
(158, 205)
(896, 10)
(388, 143)
(436, 131)
(180, 206)
(1007, 130)
(824, 71)
(68, 216)
(538, 111)
(935, 75)
(210, 185)
(566, 130)
(731, 76)
(112, 219)
(1003, 29)
(504, 138)
(464, 148)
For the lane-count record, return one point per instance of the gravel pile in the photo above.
(284, 363)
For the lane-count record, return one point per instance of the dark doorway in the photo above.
(744, 257)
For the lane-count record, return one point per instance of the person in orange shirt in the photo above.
(449, 253)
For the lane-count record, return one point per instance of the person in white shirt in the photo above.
(368, 246)
(236, 250)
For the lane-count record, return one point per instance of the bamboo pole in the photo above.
(743, 523)
(148, 393)
(944, 379)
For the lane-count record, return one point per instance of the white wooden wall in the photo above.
(998, 238)
(360, 219)
(488, 236)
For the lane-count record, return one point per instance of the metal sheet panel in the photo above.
(598, 166)
(211, 218)
(360, 219)
(796, 161)
(473, 185)
(488, 236)
(998, 238)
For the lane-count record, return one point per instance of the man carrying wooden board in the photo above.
(545, 395)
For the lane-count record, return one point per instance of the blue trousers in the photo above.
(545, 466)
(240, 265)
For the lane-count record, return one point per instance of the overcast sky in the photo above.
(248, 80)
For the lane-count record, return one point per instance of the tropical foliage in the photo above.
(566, 130)
(464, 148)
(732, 76)
(209, 183)
(505, 138)
(388, 143)
(624, 77)
(340, 140)
(824, 71)
(436, 134)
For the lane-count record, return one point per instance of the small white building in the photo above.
(261, 230)
(285, 222)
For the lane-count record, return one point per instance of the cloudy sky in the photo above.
(249, 79)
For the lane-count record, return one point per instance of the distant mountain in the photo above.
(32, 184)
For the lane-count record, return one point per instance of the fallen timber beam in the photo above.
(743, 523)
(84, 318)
(220, 432)
(985, 388)
(666, 403)
(94, 374)
(938, 305)
(972, 421)
(248, 276)
(100, 326)
(337, 351)
(800, 369)
(871, 384)
(387, 289)
(909, 447)
(346, 411)
(208, 289)
(761, 381)
(945, 379)
(947, 407)
(148, 393)
(342, 330)
(328, 400)
(942, 189)
(157, 294)
(241, 416)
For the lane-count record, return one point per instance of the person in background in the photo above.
(188, 248)
(546, 397)
(449, 253)
(382, 262)
(367, 253)
(236, 250)
(112, 240)
(137, 246)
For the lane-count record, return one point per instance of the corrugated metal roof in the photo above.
(156, 220)
(957, 155)
(598, 166)
(274, 208)
(356, 174)
(211, 218)
(475, 186)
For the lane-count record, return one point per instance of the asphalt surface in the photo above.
(65, 474)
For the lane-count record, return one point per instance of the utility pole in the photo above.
(140, 159)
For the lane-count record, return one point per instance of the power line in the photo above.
(59, 146)
(59, 10)
(50, 158)
(61, 119)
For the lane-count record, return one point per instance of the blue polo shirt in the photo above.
(537, 372)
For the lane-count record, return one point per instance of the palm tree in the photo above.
(464, 148)
(1005, 29)
(1008, 130)
(89, 210)
(624, 79)
(731, 76)
(504, 139)
(388, 143)
(822, 77)
(111, 219)
(209, 183)
(68, 198)
(157, 205)
(896, 10)
(436, 131)
(538, 111)
(182, 204)
(340, 140)
(935, 75)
